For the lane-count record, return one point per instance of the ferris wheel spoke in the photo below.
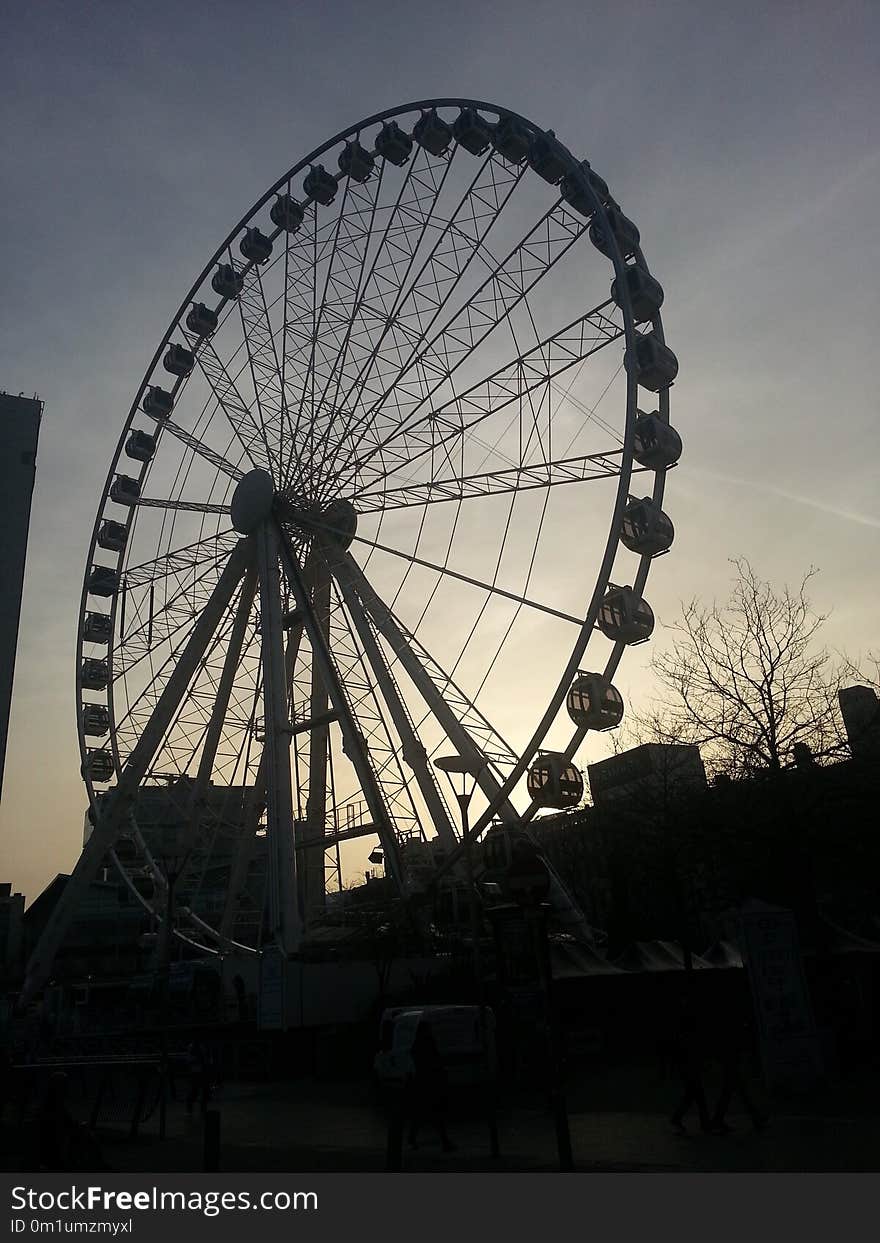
(249, 430)
(153, 626)
(300, 320)
(539, 405)
(344, 292)
(308, 318)
(503, 388)
(435, 282)
(183, 560)
(459, 243)
(204, 451)
(391, 261)
(193, 507)
(460, 240)
(445, 570)
(322, 327)
(493, 483)
(492, 303)
(263, 363)
(275, 372)
(304, 254)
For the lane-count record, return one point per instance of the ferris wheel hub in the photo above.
(335, 523)
(252, 501)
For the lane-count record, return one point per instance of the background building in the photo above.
(20, 430)
(11, 945)
(860, 709)
(661, 854)
(104, 939)
(652, 770)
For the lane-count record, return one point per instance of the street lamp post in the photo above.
(171, 864)
(172, 867)
(452, 765)
(529, 881)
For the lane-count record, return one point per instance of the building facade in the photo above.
(20, 429)
(11, 943)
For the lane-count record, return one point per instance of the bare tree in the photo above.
(747, 680)
(865, 670)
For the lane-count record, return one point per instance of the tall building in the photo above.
(11, 916)
(860, 709)
(19, 432)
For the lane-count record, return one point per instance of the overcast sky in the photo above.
(742, 138)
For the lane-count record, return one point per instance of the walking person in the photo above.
(732, 1041)
(427, 1088)
(199, 1076)
(689, 1056)
(64, 1144)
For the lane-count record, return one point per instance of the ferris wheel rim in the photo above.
(603, 578)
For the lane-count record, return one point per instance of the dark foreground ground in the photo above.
(618, 1121)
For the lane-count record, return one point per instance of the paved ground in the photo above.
(312, 1126)
(618, 1121)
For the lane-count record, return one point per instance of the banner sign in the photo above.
(788, 1039)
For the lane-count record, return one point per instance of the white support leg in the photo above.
(256, 803)
(385, 622)
(414, 752)
(354, 744)
(567, 910)
(311, 856)
(284, 913)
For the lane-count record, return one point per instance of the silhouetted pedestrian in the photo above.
(427, 1088)
(200, 1077)
(732, 1041)
(689, 1057)
(240, 998)
(64, 1143)
(6, 1078)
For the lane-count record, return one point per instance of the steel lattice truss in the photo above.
(333, 542)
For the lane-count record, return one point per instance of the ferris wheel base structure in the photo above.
(325, 537)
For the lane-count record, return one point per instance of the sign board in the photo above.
(270, 1014)
(790, 1051)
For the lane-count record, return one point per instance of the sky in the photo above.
(741, 137)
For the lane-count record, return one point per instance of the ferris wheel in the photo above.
(375, 499)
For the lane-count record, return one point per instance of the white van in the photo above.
(466, 1043)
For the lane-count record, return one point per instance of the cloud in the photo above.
(847, 515)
